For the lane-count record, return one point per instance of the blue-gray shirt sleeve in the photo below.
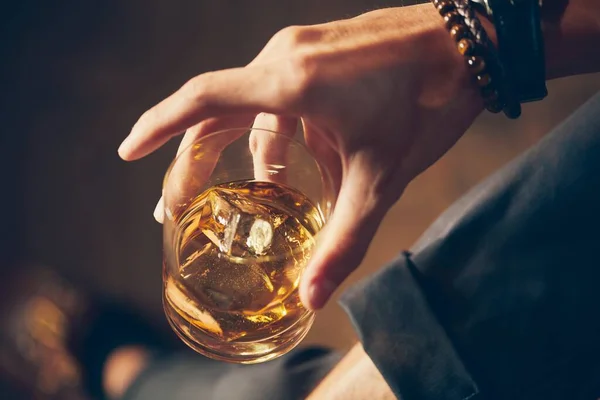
(499, 299)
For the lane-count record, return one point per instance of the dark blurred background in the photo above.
(75, 75)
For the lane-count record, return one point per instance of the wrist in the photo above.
(454, 63)
(570, 33)
(572, 41)
(421, 40)
(480, 55)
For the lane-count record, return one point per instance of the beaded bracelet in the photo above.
(512, 108)
(480, 56)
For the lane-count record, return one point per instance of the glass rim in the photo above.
(325, 174)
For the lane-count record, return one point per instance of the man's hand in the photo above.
(381, 97)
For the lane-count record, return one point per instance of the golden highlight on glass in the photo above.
(242, 209)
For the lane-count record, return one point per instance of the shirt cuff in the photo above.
(404, 338)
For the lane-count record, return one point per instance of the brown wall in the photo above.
(78, 74)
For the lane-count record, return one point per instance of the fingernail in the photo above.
(319, 293)
(159, 211)
(124, 147)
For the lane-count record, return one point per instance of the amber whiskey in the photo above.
(240, 250)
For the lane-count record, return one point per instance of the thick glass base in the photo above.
(239, 351)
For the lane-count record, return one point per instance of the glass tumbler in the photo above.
(242, 210)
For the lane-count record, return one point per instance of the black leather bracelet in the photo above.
(521, 46)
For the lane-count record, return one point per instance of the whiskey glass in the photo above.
(242, 211)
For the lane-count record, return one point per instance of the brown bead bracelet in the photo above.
(465, 8)
(473, 44)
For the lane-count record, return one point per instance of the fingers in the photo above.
(194, 166)
(270, 151)
(326, 155)
(213, 125)
(345, 239)
(246, 90)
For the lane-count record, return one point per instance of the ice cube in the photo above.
(238, 226)
(260, 236)
(183, 303)
(223, 221)
(229, 286)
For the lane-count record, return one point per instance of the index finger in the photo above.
(251, 89)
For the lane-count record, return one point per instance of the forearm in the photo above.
(573, 43)
(356, 378)
(571, 37)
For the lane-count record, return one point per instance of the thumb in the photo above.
(345, 239)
